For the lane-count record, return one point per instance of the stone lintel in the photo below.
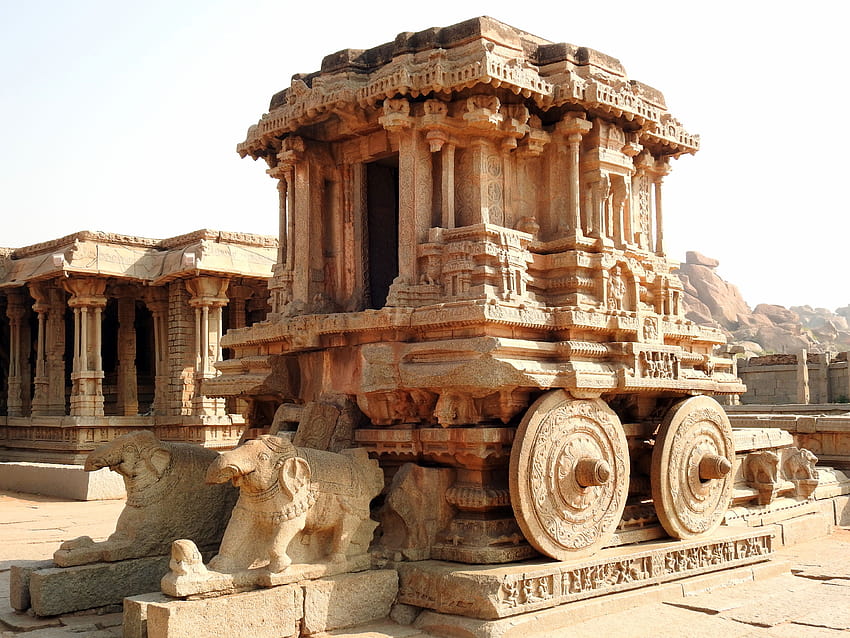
(497, 592)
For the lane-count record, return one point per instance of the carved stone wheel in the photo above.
(569, 474)
(691, 473)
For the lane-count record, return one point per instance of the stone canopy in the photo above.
(480, 51)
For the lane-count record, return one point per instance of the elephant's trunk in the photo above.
(102, 458)
(220, 471)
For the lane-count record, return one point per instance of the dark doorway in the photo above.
(382, 223)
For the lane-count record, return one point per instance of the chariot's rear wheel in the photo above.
(692, 467)
(569, 474)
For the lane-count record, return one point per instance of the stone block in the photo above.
(842, 509)
(404, 614)
(804, 528)
(62, 590)
(264, 613)
(62, 481)
(136, 613)
(493, 592)
(348, 599)
(19, 582)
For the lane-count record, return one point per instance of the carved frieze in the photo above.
(511, 590)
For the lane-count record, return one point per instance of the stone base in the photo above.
(51, 591)
(308, 607)
(560, 619)
(62, 481)
(496, 592)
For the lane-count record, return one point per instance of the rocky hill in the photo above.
(768, 328)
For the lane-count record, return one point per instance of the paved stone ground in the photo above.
(813, 601)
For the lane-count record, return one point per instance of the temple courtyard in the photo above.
(803, 592)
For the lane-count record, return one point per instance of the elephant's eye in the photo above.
(264, 456)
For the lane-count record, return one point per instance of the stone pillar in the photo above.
(413, 161)
(156, 300)
(41, 382)
(128, 389)
(447, 185)
(558, 219)
(289, 210)
(662, 169)
(642, 198)
(237, 306)
(359, 247)
(283, 222)
(55, 342)
(600, 190)
(414, 200)
(16, 311)
(87, 301)
(180, 332)
(821, 394)
(208, 298)
(803, 395)
(574, 128)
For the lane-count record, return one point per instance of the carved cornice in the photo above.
(481, 51)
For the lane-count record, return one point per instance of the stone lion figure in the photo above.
(167, 499)
(285, 491)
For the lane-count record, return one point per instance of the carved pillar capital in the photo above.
(574, 125)
(396, 115)
(86, 292)
(207, 291)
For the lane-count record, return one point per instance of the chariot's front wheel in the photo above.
(569, 474)
(692, 467)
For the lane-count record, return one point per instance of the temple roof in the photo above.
(480, 51)
(152, 261)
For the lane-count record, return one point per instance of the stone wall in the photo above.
(783, 378)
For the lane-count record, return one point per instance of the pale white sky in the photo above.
(123, 116)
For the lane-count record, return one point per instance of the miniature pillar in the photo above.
(662, 169)
(208, 298)
(16, 312)
(803, 395)
(574, 127)
(559, 220)
(128, 390)
(87, 301)
(156, 300)
(601, 191)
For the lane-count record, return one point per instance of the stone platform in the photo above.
(61, 481)
(489, 593)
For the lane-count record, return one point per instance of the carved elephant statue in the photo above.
(800, 465)
(285, 491)
(167, 499)
(762, 468)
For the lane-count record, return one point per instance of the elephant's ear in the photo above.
(160, 458)
(294, 475)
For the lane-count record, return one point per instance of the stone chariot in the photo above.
(472, 275)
